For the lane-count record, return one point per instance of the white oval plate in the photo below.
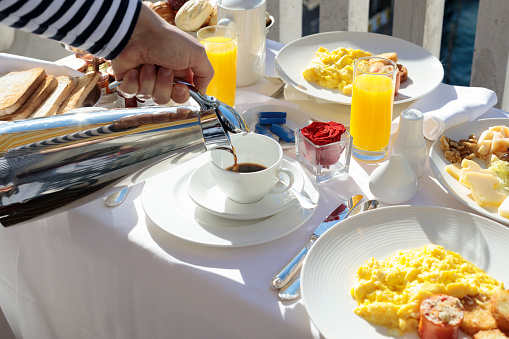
(438, 162)
(330, 269)
(204, 192)
(168, 206)
(425, 72)
(294, 119)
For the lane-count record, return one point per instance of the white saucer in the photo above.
(206, 194)
(168, 206)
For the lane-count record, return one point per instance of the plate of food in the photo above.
(424, 72)
(447, 166)
(368, 276)
(34, 88)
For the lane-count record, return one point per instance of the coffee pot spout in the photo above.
(228, 118)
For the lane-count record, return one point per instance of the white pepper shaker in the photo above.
(409, 140)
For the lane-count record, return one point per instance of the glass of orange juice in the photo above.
(374, 81)
(221, 45)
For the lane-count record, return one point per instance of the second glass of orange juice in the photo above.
(221, 45)
(373, 86)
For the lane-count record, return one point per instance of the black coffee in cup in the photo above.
(246, 167)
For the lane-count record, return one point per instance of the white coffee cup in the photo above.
(247, 17)
(253, 186)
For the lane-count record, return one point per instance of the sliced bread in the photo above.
(36, 99)
(65, 86)
(85, 84)
(17, 87)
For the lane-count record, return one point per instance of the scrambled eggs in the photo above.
(390, 292)
(334, 69)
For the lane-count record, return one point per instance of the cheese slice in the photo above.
(503, 209)
(454, 170)
(483, 189)
(469, 166)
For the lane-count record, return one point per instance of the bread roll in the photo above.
(165, 11)
(213, 18)
(193, 15)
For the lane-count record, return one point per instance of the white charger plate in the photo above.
(204, 192)
(425, 72)
(168, 205)
(329, 271)
(294, 118)
(438, 162)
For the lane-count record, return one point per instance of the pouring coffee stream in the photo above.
(53, 164)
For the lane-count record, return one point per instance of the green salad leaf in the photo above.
(501, 169)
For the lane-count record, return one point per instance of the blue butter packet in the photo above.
(269, 121)
(272, 115)
(284, 132)
(265, 130)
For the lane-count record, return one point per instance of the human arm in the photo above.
(125, 31)
(179, 55)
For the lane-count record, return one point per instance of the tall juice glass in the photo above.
(221, 45)
(371, 110)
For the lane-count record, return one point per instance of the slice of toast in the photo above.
(17, 87)
(65, 86)
(85, 84)
(36, 99)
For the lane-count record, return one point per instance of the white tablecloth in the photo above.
(98, 272)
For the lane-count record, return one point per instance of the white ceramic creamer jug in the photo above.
(248, 18)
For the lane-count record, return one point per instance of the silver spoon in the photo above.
(292, 291)
(116, 199)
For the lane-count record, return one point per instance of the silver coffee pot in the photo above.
(53, 164)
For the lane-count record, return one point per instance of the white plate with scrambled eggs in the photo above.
(425, 72)
(438, 163)
(330, 270)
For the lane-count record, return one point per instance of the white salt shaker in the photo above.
(409, 140)
(394, 181)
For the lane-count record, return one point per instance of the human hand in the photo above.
(156, 55)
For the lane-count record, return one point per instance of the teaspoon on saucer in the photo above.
(304, 201)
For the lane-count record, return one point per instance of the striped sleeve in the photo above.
(102, 27)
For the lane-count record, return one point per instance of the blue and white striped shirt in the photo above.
(102, 27)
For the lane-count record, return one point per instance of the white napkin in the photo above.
(11, 62)
(448, 106)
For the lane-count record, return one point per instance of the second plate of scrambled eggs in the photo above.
(365, 244)
(425, 72)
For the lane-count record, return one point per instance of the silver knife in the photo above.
(285, 274)
(292, 291)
